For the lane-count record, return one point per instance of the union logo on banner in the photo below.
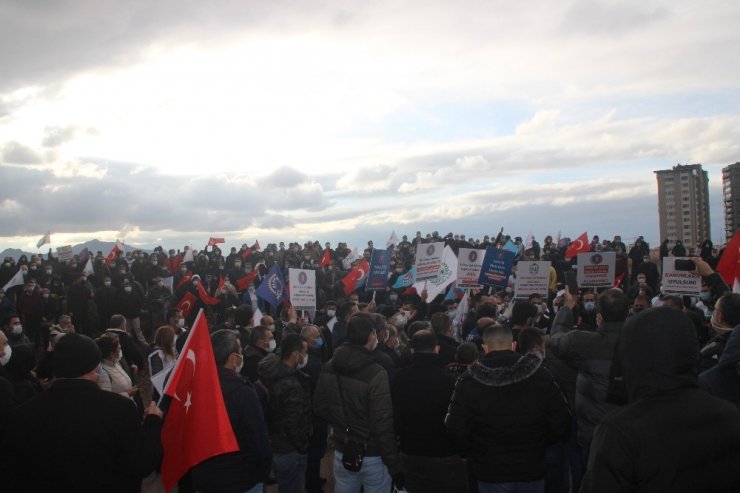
(473, 256)
(430, 250)
(597, 259)
(302, 278)
(276, 286)
(501, 254)
(534, 269)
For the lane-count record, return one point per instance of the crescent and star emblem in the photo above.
(186, 379)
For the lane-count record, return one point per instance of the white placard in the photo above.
(679, 282)
(596, 269)
(302, 289)
(429, 260)
(532, 278)
(469, 263)
(64, 253)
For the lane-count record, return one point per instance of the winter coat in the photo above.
(671, 436)
(289, 407)
(447, 348)
(591, 353)
(114, 379)
(75, 423)
(506, 409)
(238, 471)
(367, 408)
(252, 356)
(723, 380)
(421, 394)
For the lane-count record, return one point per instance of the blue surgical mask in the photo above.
(589, 306)
(704, 296)
(319, 343)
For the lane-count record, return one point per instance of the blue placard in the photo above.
(380, 266)
(496, 269)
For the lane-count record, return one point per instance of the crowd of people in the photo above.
(615, 389)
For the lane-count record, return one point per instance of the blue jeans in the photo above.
(290, 470)
(523, 487)
(373, 476)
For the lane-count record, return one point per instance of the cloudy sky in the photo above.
(168, 122)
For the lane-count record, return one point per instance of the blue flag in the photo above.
(380, 266)
(510, 246)
(405, 280)
(272, 288)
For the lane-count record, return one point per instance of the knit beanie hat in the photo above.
(74, 355)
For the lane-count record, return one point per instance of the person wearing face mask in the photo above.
(261, 343)
(247, 469)
(158, 299)
(289, 414)
(14, 331)
(723, 379)
(133, 358)
(78, 302)
(105, 301)
(113, 377)
(6, 304)
(30, 307)
(129, 303)
(176, 320)
(726, 315)
(353, 395)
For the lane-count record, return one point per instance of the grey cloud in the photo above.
(283, 177)
(56, 136)
(276, 221)
(599, 18)
(16, 153)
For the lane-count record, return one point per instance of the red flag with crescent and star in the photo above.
(186, 304)
(112, 255)
(243, 283)
(326, 259)
(196, 426)
(205, 297)
(354, 279)
(579, 245)
(729, 263)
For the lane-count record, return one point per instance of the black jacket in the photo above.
(447, 348)
(289, 407)
(507, 410)
(238, 471)
(671, 436)
(421, 395)
(591, 353)
(367, 408)
(252, 356)
(723, 380)
(77, 437)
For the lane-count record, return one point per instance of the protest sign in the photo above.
(302, 289)
(64, 253)
(596, 269)
(469, 263)
(380, 266)
(429, 260)
(679, 282)
(531, 278)
(447, 275)
(496, 268)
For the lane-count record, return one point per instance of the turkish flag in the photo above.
(355, 276)
(184, 280)
(256, 246)
(196, 426)
(579, 245)
(244, 281)
(186, 304)
(326, 259)
(729, 263)
(205, 297)
(213, 241)
(112, 255)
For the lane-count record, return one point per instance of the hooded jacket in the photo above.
(723, 380)
(671, 436)
(289, 408)
(505, 410)
(367, 409)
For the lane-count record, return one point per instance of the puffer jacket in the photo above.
(591, 353)
(723, 380)
(671, 436)
(367, 409)
(289, 408)
(505, 411)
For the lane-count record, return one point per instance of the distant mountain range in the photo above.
(92, 245)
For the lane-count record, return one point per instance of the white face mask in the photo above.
(330, 313)
(271, 346)
(17, 329)
(127, 289)
(303, 362)
(239, 367)
(8, 352)
(400, 321)
(271, 327)
(181, 323)
(119, 355)
(107, 284)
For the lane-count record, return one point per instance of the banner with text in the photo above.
(596, 269)
(429, 260)
(679, 282)
(496, 267)
(380, 266)
(531, 278)
(64, 253)
(469, 263)
(302, 289)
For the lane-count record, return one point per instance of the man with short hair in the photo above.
(442, 326)
(421, 394)
(353, 395)
(289, 411)
(87, 439)
(726, 315)
(506, 410)
(247, 469)
(261, 343)
(14, 331)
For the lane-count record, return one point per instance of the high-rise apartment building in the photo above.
(731, 198)
(683, 204)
